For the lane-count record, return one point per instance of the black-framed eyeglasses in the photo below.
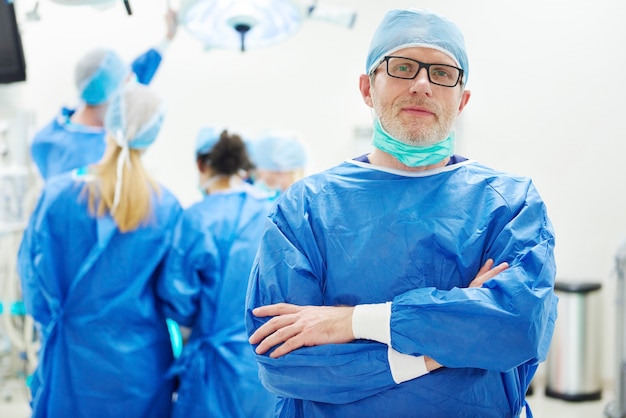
(408, 68)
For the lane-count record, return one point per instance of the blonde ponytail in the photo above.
(134, 206)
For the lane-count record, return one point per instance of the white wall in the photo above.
(547, 100)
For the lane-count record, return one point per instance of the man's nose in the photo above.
(421, 83)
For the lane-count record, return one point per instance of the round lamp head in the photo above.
(241, 24)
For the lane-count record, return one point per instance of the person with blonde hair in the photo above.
(88, 263)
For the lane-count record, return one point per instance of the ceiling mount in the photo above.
(242, 24)
(95, 3)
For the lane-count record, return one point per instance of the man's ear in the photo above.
(465, 96)
(365, 87)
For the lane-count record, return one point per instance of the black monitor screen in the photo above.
(12, 64)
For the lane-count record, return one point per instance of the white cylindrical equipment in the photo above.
(573, 364)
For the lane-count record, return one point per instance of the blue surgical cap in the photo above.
(134, 116)
(417, 28)
(207, 138)
(277, 151)
(99, 74)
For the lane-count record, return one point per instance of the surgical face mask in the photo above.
(271, 192)
(411, 155)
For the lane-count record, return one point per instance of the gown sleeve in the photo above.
(146, 65)
(182, 278)
(334, 373)
(501, 325)
(39, 151)
(29, 255)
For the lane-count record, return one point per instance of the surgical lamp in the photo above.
(248, 24)
(96, 3)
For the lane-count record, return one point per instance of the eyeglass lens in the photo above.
(442, 74)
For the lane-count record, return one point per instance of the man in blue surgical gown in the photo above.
(76, 137)
(411, 281)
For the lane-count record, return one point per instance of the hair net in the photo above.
(134, 116)
(207, 138)
(412, 27)
(278, 151)
(99, 74)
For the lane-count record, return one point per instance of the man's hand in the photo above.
(431, 364)
(301, 326)
(487, 272)
(171, 22)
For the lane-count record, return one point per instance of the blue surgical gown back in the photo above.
(204, 285)
(91, 290)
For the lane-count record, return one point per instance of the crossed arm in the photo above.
(296, 326)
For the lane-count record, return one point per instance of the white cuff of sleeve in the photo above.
(372, 322)
(405, 367)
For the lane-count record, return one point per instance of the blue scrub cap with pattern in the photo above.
(99, 74)
(134, 116)
(277, 150)
(403, 28)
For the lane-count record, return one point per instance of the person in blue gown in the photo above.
(410, 281)
(279, 159)
(88, 264)
(204, 285)
(76, 137)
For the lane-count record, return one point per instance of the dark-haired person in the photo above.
(204, 285)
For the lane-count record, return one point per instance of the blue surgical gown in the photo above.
(358, 234)
(62, 146)
(92, 292)
(204, 285)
